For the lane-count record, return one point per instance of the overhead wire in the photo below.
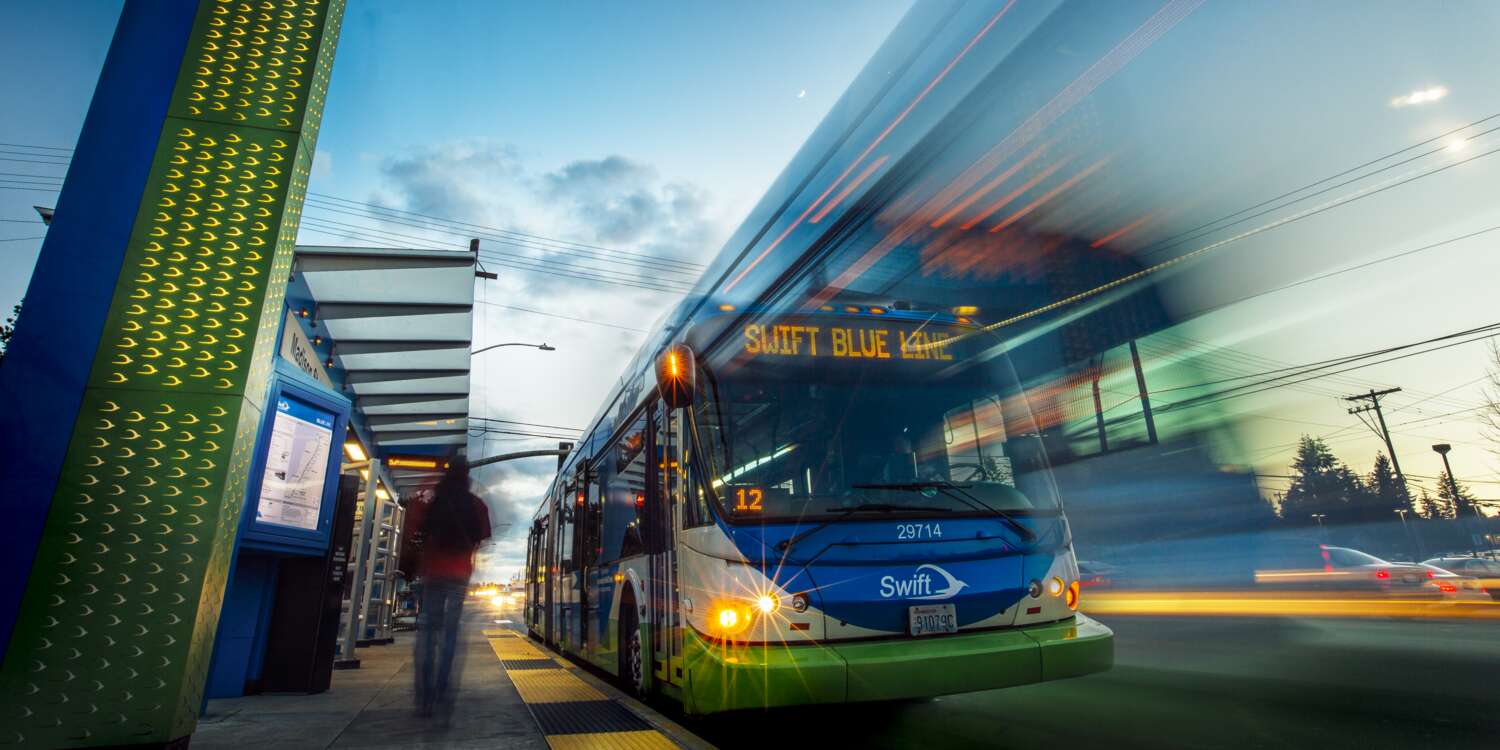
(538, 265)
(515, 233)
(495, 253)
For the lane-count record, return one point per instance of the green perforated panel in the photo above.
(113, 643)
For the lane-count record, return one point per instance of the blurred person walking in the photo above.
(453, 526)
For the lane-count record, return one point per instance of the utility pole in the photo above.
(1374, 398)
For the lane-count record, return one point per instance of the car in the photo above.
(1486, 570)
(1325, 566)
(1454, 587)
(1095, 574)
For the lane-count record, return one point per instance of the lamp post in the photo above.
(1414, 548)
(1442, 450)
(1322, 532)
(544, 347)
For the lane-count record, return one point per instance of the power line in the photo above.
(537, 266)
(388, 213)
(530, 424)
(23, 174)
(1476, 334)
(27, 145)
(34, 161)
(1180, 237)
(372, 235)
(19, 239)
(457, 222)
(564, 317)
(492, 252)
(538, 243)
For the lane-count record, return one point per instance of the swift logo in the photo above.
(919, 585)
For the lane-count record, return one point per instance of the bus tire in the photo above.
(632, 664)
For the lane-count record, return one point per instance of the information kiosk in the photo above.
(292, 545)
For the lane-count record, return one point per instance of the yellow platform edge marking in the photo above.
(644, 739)
(552, 686)
(559, 685)
(505, 651)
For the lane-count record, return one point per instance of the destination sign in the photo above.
(861, 340)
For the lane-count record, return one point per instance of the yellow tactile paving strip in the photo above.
(552, 686)
(515, 648)
(549, 691)
(641, 740)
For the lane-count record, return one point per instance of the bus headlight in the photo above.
(767, 603)
(800, 603)
(1055, 586)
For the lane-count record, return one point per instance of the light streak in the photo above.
(1049, 195)
(873, 144)
(1014, 194)
(1121, 232)
(829, 206)
(1280, 604)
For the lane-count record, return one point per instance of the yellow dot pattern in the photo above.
(114, 639)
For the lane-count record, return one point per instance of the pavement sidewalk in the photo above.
(373, 707)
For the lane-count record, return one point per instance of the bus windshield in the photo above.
(784, 439)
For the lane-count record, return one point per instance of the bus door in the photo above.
(665, 657)
(549, 569)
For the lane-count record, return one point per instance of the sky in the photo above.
(650, 129)
(644, 127)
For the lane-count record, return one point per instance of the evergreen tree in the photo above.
(1431, 507)
(1383, 491)
(8, 329)
(1455, 506)
(1321, 483)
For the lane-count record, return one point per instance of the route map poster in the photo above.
(291, 492)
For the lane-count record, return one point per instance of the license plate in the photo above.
(932, 619)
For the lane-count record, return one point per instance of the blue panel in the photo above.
(57, 335)
(239, 643)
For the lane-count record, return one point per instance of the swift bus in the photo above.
(824, 477)
(822, 507)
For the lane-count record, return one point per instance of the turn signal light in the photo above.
(1072, 598)
(728, 619)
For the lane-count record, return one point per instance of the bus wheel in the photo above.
(632, 664)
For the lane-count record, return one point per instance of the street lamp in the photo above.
(1442, 450)
(1319, 518)
(543, 347)
(1417, 554)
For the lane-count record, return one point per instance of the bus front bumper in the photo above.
(725, 678)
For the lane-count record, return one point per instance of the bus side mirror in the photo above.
(675, 376)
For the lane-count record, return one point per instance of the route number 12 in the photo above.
(748, 499)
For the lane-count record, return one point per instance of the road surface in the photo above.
(1201, 682)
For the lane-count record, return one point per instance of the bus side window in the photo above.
(627, 488)
(568, 528)
(695, 511)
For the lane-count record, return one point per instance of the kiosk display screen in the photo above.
(291, 492)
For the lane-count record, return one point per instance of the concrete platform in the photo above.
(373, 706)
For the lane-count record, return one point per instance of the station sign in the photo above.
(417, 462)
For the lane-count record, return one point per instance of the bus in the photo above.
(827, 475)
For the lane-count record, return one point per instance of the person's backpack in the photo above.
(450, 523)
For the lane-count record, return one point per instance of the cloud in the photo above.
(452, 179)
(622, 202)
